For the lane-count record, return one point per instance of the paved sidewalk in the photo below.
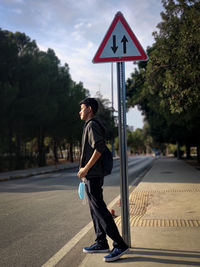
(164, 219)
(4, 176)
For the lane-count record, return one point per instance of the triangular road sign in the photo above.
(119, 44)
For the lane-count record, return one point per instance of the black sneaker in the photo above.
(115, 254)
(96, 248)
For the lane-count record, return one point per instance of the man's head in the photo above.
(89, 107)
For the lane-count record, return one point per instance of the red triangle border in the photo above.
(119, 17)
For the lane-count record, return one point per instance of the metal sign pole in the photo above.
(113, 148)
(123, 152)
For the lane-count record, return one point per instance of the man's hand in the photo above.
(82, 172)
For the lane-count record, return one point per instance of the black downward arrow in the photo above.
(124, 41)
(114, 47)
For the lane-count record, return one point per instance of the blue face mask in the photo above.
(81, 190)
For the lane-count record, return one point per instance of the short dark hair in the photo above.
(91, 102)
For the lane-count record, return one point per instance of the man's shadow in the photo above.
(162, 256)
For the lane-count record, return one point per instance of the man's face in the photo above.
(84, 112)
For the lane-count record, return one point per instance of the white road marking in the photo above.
(67, 247)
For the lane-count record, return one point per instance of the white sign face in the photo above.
(119, 44)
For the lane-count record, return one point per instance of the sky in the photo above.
(74, 29)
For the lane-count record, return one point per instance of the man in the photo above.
(93, 145)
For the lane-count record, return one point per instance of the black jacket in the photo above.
(92, 138)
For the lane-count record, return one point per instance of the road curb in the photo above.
(21, 176)
(34, 173)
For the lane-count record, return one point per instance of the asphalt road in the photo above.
(40, 214)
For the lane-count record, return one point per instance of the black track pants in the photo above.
(103, 221)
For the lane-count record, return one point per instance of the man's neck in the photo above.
(89, 117)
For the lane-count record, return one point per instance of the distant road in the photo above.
(40, 214)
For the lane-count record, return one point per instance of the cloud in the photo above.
(75, 29)
(17, 11)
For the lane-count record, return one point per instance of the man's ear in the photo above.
(90, 109)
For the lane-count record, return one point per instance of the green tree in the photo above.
(75, 125)
(14, 83)
(105, 113)
(39, 102)
(167, 87)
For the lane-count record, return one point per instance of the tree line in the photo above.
(39, 104)
(167, 87)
